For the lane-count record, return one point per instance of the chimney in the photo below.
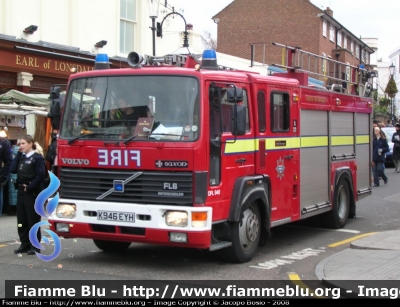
(328, 11)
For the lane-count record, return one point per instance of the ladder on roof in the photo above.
(179, 60)
(327, 68)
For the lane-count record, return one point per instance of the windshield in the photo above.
(132, 108)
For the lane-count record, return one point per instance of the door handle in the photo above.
(241, 161)
(289, 157)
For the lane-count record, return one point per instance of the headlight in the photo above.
(66, 211)
(176, 218)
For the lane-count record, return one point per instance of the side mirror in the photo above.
(234, 94)
(238, 126)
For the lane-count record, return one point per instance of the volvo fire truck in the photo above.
(212, 158)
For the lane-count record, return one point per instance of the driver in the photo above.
(125, 111)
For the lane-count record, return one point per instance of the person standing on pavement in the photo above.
(396, 148)
(5, 161)
(52, 149)
(12, 191)
(380, 147)
(30, 170)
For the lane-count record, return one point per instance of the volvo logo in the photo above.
(75, 161)
(119, 185)
(171, 164)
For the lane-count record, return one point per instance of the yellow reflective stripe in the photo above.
(251, 145)
(342, 140)
(247, 145)
(314, 141)
(362, 139)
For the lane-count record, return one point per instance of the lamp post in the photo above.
(153, 12)
(391, 72)
(185, 33)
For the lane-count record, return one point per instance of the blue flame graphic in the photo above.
(45, 212)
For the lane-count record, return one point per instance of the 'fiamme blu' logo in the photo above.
(45, 212)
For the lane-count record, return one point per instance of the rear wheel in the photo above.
(337, 217)
(111, 246)
(245, 236)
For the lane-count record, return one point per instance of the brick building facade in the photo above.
(289, 22)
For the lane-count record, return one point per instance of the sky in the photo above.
(364, 18)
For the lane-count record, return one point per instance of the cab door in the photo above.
(282, 153)
(231, 157)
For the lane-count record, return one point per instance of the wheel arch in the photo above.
(248, 190)
(346, 174)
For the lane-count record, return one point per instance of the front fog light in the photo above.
(176, 218)
(66, 211)
(62, 227)
(178, 237)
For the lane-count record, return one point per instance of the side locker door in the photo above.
(363, 151)
(282, 153)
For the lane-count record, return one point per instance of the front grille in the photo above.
(139, 231)
(89, 184)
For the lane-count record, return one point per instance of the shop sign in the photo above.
(49, 64)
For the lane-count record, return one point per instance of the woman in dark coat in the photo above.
(30, 170)
(380, 147)
(396, 148)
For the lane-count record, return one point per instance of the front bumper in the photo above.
(149, 225)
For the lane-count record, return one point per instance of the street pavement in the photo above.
(372, 258)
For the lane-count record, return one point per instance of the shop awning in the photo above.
(17, 103)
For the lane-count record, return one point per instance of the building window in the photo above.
(348, 72)
(324, 28)
(339, 39)
(344, 41)
(364, 56)
(324, 64)
(352, 47)
(127, 26)
(332, 33)
(357, 51)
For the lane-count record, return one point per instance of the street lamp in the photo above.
(185, 33)
(391, 72)
(153, 12)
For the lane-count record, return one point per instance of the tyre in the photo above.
(337, 217)
(245, 236)
(111, 246)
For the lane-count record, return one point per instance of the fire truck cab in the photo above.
(204, 158)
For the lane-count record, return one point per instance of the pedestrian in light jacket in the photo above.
(379, 149)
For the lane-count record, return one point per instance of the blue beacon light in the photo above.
(209, 59)
(101, 61)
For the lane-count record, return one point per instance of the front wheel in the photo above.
(245, 236)
(111, 246)
(337, 217)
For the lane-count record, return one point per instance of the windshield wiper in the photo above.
(130, 138)
(166, 134)
(89, 134)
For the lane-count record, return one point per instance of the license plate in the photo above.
(116, 216)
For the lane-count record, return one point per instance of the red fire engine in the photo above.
(198, 157)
